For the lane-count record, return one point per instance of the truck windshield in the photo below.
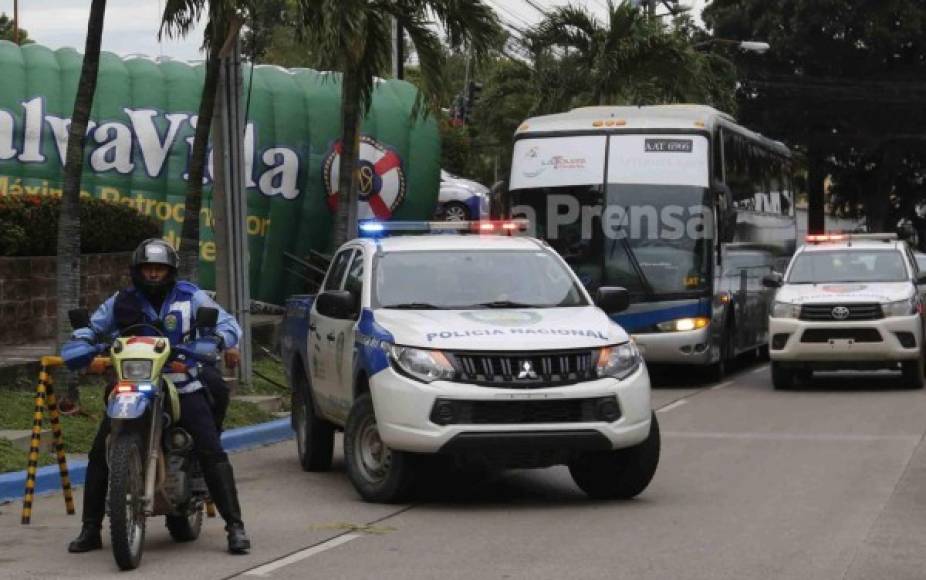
(848, 266)
(466, 279)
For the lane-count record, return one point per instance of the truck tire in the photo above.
(619, 474)
(782, 378)
(126, 491)
(186, 528)
(913, 373)
(379, 474)
(314, 435)
(718, 370)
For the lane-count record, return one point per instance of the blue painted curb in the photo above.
(47, 480)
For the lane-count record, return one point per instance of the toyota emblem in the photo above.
(840, 312)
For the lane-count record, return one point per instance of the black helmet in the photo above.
(155, 251)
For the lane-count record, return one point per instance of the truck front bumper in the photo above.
(887, 340)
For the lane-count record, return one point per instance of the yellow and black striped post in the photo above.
(45, 396)
(59, 444)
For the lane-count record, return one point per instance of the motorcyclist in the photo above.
(156, 297)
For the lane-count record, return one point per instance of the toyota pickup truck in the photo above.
(484, 349)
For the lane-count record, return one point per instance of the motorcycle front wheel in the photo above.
(126, 499)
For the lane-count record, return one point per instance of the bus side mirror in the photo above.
(612, 299)
(773, 280)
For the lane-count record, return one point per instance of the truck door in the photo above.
(322, 342)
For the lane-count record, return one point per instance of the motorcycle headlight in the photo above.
(619, 361)
(786, 310)
(683, 324)
(424, 365)
(899, 308)
(136, 370)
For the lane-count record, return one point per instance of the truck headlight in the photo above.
(683, 324)
(786, 310)
(899, 308)
(619, 361)
(424, 365)
(136, 370)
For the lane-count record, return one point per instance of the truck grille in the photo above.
(524, 370)
(855, 334)
(855, 312)
(457, 412)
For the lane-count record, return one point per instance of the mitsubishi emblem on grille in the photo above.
(527, 370)
(840, 312)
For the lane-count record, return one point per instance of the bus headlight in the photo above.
(683, 324)
(619, 361)
(899, 308)
(786, 310)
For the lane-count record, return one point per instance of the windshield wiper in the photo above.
(509, 304)
(413, 306)
(638, 269)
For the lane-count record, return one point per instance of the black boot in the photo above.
(221, 482)
(88, 539)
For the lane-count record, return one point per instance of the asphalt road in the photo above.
(828, 482)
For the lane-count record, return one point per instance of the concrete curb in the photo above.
(13, 484)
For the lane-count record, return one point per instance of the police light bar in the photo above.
(374, 228)
(818, 238)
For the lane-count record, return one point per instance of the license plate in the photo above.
(841, 343)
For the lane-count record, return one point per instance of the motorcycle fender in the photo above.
(174, 398)
(127, 405)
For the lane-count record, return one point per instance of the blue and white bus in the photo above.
(677, 203)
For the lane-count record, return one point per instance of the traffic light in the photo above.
(469, 103)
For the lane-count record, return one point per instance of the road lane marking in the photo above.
(670, 406)
(761, 369)
(268, 569)
(722, 385)
(789, 436)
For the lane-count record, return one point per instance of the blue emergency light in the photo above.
(373, 228)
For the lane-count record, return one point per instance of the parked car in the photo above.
(462, 199)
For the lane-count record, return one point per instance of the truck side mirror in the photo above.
(206, 317)
(340, 304)
(79, 318)
(612, 299)
(773, 280)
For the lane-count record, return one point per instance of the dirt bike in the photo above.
(152, 468)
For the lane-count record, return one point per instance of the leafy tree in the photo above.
(354, 37)
(630, 58)
(6, 30)
(181, 16)
(68, 260)
(843, 85)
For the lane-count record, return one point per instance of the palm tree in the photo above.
(68, 260)
(353, 37)
(180, 16)
(631, 58)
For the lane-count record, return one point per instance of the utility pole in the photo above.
(229, 198)
(398, 50)
(16, 22)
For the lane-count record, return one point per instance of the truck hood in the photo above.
(844, 292)
(502, 329)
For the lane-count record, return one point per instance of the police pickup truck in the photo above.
(482, 349)
(847, 302)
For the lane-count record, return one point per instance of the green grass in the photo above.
(17, 407)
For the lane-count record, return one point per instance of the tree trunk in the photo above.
(68, 261)
(345, 219)
(189, 236)
(878, 202)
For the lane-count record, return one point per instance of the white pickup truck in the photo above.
(485, 349)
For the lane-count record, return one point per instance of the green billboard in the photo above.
(140, 140)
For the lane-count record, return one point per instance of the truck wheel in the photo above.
(913, 373)
(619, 474)
(782, 378)
(314, 436)
(378, 473)
(186, 528)
(718, 370)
